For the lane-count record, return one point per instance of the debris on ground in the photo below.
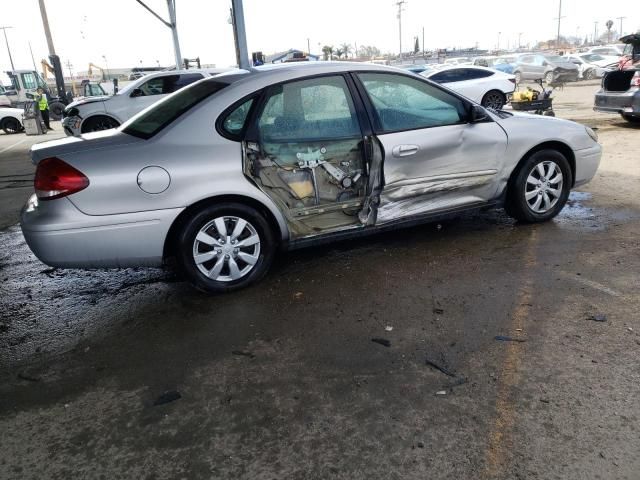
(504, 338)
(630, 329)
(48, 271)
(441, 392)
(298, 295)
(381, 341)
(167, 397)
(242, 353)
(544, 400)
(388, 328)
(442, 369)
(438, 311)
(598, 317)
(420, 444)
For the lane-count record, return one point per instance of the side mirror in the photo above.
(478, 114)
(136, 93)
(30, 96)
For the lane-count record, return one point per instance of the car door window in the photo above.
(155, 86)
(311, 109)
(404, 103)
(538, 61)
(474, 73)
(183, 80)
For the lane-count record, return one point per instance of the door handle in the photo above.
(405, 150)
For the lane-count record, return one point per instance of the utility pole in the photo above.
(171, 5)
(240, 34)
(519, 37)
(621, 18)
(33, 60)
(559, 18)
(4, 29)
(423, 42)
(400, 4)
(308, 46)
(595, 32)
(498, 46)
(45, 24)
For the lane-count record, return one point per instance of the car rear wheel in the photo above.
(518, 76)
(98, 123)
(11, 125)
(548, 77)
(540, 187)
(494, 99)
(223, 248)
(56, 110)
(631, 118)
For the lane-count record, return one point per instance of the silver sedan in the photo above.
(223, 173)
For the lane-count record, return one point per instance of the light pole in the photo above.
(519, 37)
(498, 46)
(559, 18)
(106, 65)
(4, 29)
(595, 32)
(171, 5)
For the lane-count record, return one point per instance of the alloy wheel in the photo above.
(226, 248)
(544, 186)
(494, 100)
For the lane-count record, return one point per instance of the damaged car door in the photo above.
(435, 157)
(305, 150)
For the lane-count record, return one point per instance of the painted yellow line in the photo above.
(500, 436)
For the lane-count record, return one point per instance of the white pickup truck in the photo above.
(102, 113)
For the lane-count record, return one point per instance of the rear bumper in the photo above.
(587, 162)
(618, 102)
(62, 236)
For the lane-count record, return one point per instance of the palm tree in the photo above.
(609, 24)
(339, 52)
(327, 50)
(346, 49)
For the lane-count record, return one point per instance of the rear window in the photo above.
(149, 122)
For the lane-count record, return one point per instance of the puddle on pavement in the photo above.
(580, 213)
(43, 309)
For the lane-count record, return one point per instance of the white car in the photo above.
(486, 86)
(611, 50)
(458, 61)
(11, 120)
(592, 65)
(104, 112)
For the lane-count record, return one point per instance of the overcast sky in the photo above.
(126, 34)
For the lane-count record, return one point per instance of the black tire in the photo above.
(631, 119)
(11, 125)
(548, 77)
(98, 123)
(517, 205)
(494, 99)
(186, 247)
(56, 110)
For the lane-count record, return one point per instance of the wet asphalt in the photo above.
(133, 374)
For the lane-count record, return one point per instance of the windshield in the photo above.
(555, 58)
(153, 119)
(592, 57)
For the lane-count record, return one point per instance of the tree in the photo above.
(368, 51)
(416, 46)
(346, 49)
(609, 24)
(339, 52)
(327, 51)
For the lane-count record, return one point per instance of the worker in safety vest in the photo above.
(43, 106)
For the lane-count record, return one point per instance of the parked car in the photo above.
(608, 50)
(485, 86)
(11, 120)
(458, 61)
(620, 91)
(223, 173)
(550, 68)
(4, 100)
(95, 113)
(591, 65)
(502, 64)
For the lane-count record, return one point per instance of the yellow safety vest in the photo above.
(43, 104)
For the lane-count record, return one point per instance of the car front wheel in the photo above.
(223, 248)
(98, 123)
(540, 187)
(631, 118)
(548, 77)
(11, 125)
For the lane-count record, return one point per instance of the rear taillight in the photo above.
(56, 178)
